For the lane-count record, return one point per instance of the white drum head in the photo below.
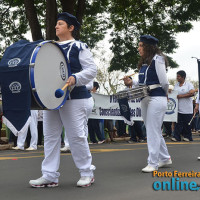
(50, 74)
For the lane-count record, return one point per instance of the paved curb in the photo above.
(5, 146)
(121, 139)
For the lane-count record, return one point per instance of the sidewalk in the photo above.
(5, 146)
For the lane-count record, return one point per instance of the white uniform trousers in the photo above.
(66, 141)
(73, 116)
(153, 111)
(33, 130)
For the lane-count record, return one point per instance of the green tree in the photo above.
(18, 17)
(160, 18)
(109, 82)
(12, 27)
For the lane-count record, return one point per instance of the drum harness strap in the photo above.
(154, 86)
(150, 87)
(70, 47)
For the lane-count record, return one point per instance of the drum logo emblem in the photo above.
(14, 62)
(62, 71)
(15, 87)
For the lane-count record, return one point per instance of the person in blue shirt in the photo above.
(74, 113)
(152, 72)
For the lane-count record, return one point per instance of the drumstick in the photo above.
(192, 118)
(128, 75)
(60, 92)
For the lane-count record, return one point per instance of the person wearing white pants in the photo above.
(53, 123)
(66, 148)
(153, 111)
(152, 72)
(34, 134)
(73, 115)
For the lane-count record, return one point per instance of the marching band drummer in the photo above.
(152, 72)
(74, 114)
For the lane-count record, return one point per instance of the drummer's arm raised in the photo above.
(89, 71)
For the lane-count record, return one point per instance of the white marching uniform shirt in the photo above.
(33, 130)
(197, 99)
(153, 109)
(185, 105)
(73, 116)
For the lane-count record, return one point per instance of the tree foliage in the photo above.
(39, 18)
(127, 19)
(108, 81)
(12, 27)
(160, 18)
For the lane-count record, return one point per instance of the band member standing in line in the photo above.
(74, 114)
(152, 72)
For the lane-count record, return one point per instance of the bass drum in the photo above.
(48, 71)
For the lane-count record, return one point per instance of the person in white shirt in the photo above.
(152, 72)
(185, 108)
(73, 116)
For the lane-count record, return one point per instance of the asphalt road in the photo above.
(118, 175)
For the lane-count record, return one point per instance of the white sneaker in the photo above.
(85, 181)
(174, 139)
(30, 149)
(101, 142)
(65, 149)
(17, 148)
(148, 169)
(92, 143)
(186, 139)
(42, 182)
(165, 163)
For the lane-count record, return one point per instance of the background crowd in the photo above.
(105, 131)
